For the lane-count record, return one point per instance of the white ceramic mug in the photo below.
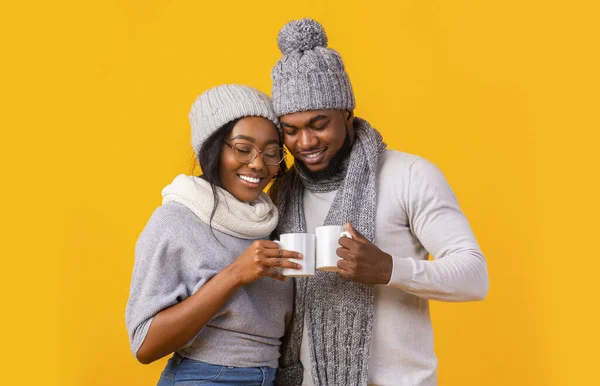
(327, 244)
(303, 243)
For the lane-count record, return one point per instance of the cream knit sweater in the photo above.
(417, 213)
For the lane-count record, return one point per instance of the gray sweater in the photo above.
(174, 256)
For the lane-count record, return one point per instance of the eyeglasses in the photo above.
(246, 153)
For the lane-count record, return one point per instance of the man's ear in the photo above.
(349, 114)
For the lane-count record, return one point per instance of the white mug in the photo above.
(327, 244)
(303, 243)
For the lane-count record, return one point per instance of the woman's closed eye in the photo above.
(244, 149)
(272, 152)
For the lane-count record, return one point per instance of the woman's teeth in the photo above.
(250, 179)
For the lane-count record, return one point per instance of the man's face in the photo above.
(314, 137)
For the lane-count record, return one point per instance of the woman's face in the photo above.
(247, 180)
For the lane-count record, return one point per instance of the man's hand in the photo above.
(362, 261)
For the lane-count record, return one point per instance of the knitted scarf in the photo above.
(245, 220)
(338, 312)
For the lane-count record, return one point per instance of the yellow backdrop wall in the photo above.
(501, 95)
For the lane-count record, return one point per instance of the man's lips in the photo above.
(312, 157)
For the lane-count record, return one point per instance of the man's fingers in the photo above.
(342, 265)
(355, 234)
(343, 252)
(347, 270)
(346, 242)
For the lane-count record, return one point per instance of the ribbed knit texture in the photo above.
(309, 76)
(339, 312)
(222, 104)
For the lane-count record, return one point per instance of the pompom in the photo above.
(301, 35)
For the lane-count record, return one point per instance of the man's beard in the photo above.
(334, 167)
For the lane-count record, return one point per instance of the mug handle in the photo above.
(345, 234)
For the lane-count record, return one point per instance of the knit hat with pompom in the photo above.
(309, 76)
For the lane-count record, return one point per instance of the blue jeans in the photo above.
(182, 371)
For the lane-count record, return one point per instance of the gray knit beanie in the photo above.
(222, 104)
(309, 76)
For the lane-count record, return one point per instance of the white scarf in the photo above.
(246, 220)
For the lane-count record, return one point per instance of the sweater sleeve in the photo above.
(458, 271)
(158, 280)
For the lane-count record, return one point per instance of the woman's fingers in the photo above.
(273, 249)
(278, 262)
(272, 272)
(282, 253)
(268, 244)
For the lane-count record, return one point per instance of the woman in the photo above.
(202, 283)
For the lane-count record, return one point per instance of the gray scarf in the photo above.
(338, 312)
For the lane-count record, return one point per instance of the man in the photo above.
(369, 322)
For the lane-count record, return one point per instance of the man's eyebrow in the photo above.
(288, 125)
(309, 123)
(315, 119)
(241, 136)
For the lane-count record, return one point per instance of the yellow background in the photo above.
(501, 95)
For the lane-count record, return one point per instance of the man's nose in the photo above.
(307, 139)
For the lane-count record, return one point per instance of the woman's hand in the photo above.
(261, 259)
